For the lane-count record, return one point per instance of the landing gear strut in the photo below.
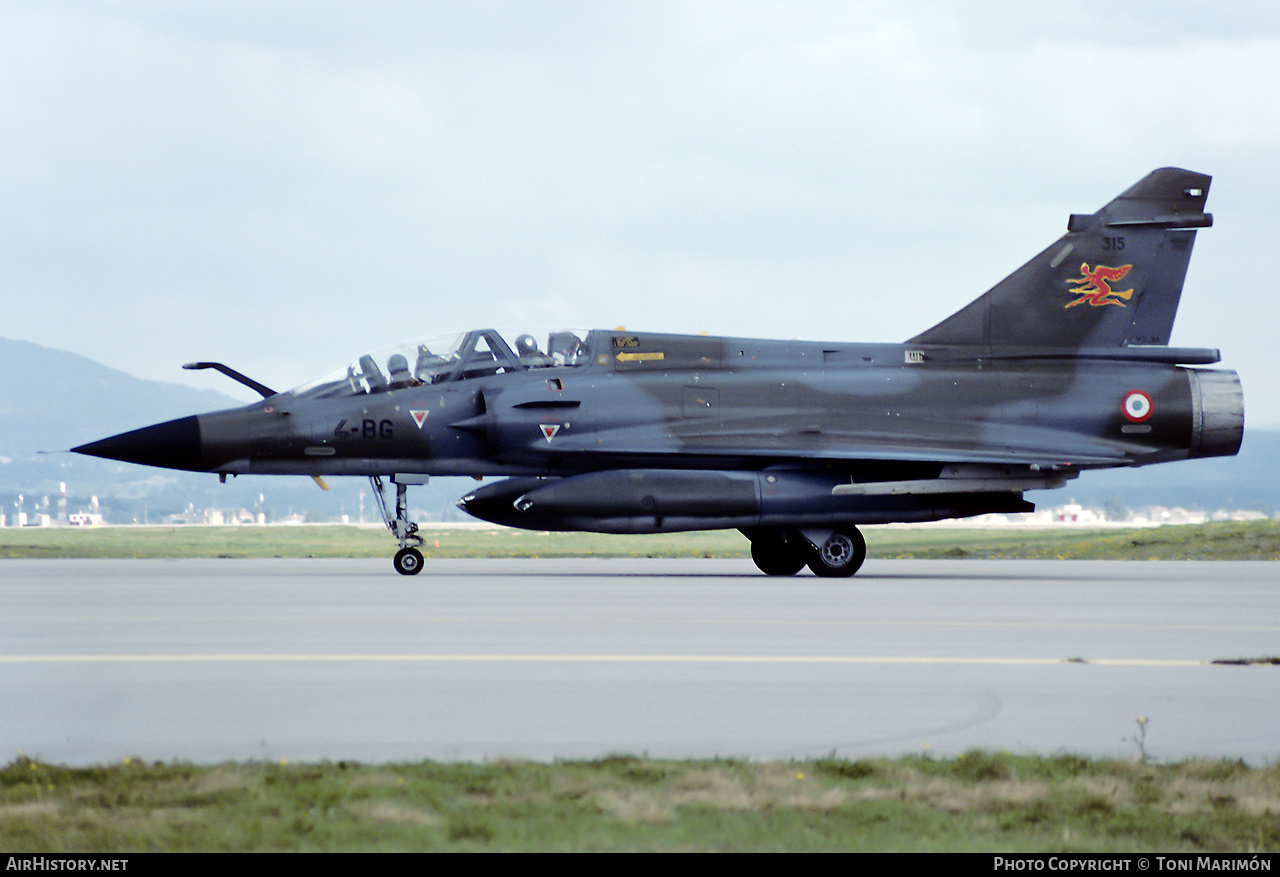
(408, 560)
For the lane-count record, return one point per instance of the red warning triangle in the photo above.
(419, 416)
(549, 430)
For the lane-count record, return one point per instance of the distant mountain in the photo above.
(53, 400)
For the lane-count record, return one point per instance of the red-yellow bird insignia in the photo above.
(1096, 288)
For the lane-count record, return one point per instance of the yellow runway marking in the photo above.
(585, 659)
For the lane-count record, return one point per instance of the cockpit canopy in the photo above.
(446, 358)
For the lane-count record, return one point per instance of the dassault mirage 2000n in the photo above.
(1061, 367)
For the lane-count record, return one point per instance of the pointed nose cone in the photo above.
(171, 445)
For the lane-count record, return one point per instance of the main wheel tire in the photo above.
(408, 561)
(841, 555)
(777, 555)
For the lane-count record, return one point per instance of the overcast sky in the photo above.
(283, 185)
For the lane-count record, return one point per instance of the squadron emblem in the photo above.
(1095, 286)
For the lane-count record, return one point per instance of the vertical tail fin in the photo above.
(1114, 279)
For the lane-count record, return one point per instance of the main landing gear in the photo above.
(408, 560)
(834, 553)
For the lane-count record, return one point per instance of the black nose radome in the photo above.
(171, 445)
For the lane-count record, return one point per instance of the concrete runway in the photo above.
(210, 660)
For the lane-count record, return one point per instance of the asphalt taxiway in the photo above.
(210, 660)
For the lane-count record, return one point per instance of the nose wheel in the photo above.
(408, 560)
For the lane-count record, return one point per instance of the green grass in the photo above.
(980, 801)
(1227, 540)
(346, 541)
(1253, 540)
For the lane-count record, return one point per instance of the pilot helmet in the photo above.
(526, 345)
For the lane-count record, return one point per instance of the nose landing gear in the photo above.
(408, 560)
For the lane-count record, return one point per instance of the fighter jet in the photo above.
(1061, 367)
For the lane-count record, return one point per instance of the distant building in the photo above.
(214, 517)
